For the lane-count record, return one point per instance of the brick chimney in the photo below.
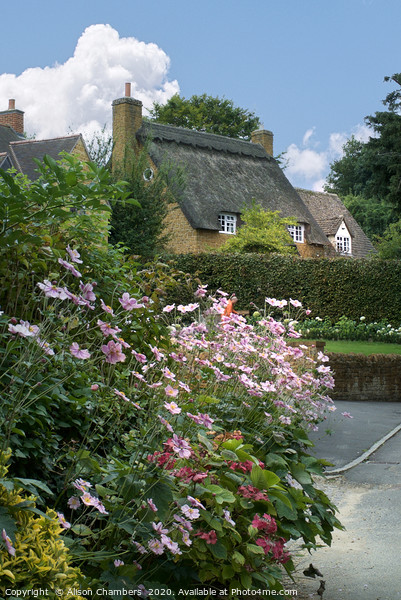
(265, 138)
(13, 117)
(127, 119)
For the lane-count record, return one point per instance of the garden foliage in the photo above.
(168, 443)
(329, 287)
(349, 329)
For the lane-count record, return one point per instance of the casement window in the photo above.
(343, 244)
(297, 233)
(228, 223)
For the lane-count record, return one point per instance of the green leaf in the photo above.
(7, 522)
(221, 494)
(300, 474)
(81, 530)
(281, 496)
(218, 550)
(33, 485)
(228, 572)
(205, 441)
(228, 455)
(71, 178)
(212, 521)
(18, 431)
(238, 558)
(254, 549)
(246, 580)
(103, 491)
(263, 479)
(231, 444)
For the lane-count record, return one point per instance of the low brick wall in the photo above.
(358, 377)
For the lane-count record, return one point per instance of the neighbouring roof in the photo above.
(5, 162)
(7, 135)
(330, 212)
(23, 152)
(222, 174)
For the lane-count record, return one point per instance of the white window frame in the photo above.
(228, 223)
(297, 232)
(343, 244)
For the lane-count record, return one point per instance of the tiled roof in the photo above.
(23, 152)
(223, 174)
(330, 212)
(7, 135)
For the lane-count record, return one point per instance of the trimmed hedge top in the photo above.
(330, 287)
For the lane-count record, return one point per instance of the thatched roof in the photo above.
(330, 212)
(222, 174)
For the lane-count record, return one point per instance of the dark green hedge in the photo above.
(329, 287)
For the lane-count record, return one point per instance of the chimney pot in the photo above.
(11, 104)
(128, 90)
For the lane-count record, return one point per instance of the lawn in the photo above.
(361, 347)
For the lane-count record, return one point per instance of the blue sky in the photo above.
(310, 69)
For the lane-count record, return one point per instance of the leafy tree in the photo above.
(140, 225)
(348, 174)
(373, 169)
(263, 232)
(207, 113)
(373, 216)
(389, 245)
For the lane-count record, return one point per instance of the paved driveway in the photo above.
(364, 561)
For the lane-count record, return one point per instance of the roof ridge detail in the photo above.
(62, 137)
(201, 139)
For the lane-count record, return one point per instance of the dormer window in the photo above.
(228, 223)
(343, 244)
(297, 233)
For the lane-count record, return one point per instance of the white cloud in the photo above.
(77, 95)
(362, 132)
(307, 136)
(307, 167)
(307, 163)
(336, 143)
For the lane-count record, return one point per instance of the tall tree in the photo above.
(141, 227)
(207, 113)
(373, 216)
(373, 169)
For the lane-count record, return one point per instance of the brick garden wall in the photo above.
(371, 378)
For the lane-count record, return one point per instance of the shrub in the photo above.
(349, 329)
(231, 451)
(329, 287)
(32, 553)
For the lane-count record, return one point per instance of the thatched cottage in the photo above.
(222, 174)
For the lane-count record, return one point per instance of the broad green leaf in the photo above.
(246, 580)
(221, 494)
(228, 572)
(263, 479)
(281, 496)
(7, 522)
(300, 474)
(228, 455)
(254, 549)
(33, 485)
(238, 558)
(218, 550)
(81, 530)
